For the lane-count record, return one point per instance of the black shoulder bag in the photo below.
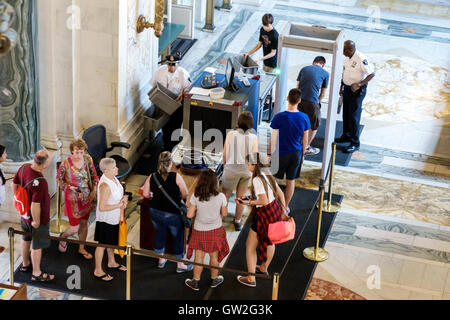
(181, 207)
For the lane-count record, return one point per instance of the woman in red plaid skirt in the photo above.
(267, 210)
(208, 235)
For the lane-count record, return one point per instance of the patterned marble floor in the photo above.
(391, 239)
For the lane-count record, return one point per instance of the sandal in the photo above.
(102, 278)
(118, 268)
(25, 268)
(86, 255)
(42, 278)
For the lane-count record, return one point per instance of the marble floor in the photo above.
(391, 238)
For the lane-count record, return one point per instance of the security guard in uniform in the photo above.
(177, 80)
(357, 73)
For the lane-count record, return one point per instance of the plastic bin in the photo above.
(155, 119)
(164, 99)
(247, 64)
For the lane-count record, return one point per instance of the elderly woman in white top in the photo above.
(111, 201)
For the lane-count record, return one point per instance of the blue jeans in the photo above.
(161, 222)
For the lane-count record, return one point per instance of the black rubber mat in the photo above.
(294, 281)
(342, 158)
(151, 283)
(182, 46)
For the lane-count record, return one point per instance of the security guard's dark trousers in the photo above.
(352, 108)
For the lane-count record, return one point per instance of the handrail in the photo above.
(91, 244)
(142, 252)
(148, 253)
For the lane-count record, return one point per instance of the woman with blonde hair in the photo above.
(78, 179)
(165, 215)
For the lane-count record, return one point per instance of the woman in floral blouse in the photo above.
(78, 179)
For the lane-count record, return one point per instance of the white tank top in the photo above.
(113, 216)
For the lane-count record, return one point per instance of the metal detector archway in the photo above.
(317, 39)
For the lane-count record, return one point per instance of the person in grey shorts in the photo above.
(236, 176)
(31, 178)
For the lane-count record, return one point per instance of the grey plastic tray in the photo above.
(164, 99)
(247, 64)
(155, 119)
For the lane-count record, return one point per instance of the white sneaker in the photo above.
(312, 151)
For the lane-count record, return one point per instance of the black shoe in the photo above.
(342, 139)
(237, 225)
(351, 148)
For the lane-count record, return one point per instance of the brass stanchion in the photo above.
(332, 206)
(276, 282)
(226, 6)
(11, 255)
(129, 252)
(315, 253)
(58, 226)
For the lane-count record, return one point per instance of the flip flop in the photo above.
(25, 268)
(41, 277)
(118, 268)
(101, 278)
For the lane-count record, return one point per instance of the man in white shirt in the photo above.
(177, 80)
(357, 73)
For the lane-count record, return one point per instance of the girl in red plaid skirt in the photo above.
(266, 210)
(208, 206)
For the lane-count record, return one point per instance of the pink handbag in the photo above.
(282, 231)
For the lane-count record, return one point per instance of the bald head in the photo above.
(41, 158)
(349, 48)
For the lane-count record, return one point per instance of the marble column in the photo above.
(19, 101)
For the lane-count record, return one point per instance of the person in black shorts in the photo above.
(312, 82)
(268, 39)
(290, 137)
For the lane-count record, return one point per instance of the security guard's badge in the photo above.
(354, 63)
(171, 58)
(365, 62)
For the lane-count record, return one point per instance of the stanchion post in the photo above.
(58, 226)
(129, 253)
(276, 283)
(332, 206)
(315, 253)
(11, 255)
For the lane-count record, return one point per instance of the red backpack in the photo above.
(21, 201)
